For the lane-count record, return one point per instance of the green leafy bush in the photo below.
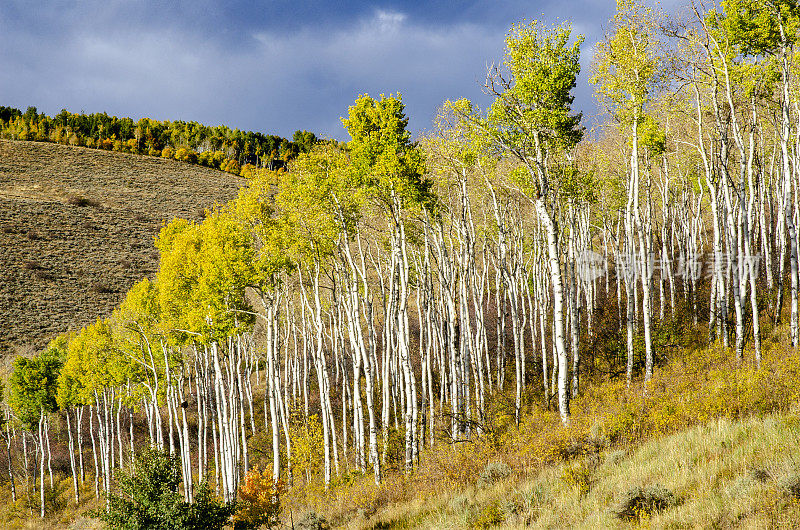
(148, 498)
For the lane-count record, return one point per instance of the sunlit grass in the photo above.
(720, 438)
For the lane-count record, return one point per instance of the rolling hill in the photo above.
(77, 229)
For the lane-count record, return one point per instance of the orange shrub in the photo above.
(259, 501)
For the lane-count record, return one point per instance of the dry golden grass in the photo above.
(721, 438)
(714, 470)
(718, 438)
(723, 474)
(61, 511)
(77, 228)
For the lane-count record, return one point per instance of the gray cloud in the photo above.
(233, 64)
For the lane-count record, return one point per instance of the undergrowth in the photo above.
(707, 442)
(455, 485)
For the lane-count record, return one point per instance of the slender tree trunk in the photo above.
(72, 460)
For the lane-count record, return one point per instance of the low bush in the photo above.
(458, 464)
(101, 288)
(259, 501)
(639, 502)
(31, 265)
(493, 472)
(312, 521)
(148, 498)
(488, 517)
(791, 485)
(760, 475)
(43, 275)
(579, 474)
(80, 200)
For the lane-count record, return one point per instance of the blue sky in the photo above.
(268, 65)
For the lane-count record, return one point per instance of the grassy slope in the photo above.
(77, 228)
(724, 474)
(721, 437)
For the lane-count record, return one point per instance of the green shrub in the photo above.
(488, 517)
(148, 498)
(312, 521)
(493, 472)
(642, 502)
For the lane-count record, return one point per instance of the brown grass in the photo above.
(77, 228)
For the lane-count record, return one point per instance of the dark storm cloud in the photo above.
(272, 66)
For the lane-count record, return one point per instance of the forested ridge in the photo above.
(393, 317)
(219, 147)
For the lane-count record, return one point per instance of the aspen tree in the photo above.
(767, 28)
(68, 398)
(531, 121)
(8, 437)
(32, 397)
(627, 70)
(390, 166)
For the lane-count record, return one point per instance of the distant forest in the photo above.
(220, 147)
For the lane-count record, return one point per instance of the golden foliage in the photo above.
(307, 445)
(259, 500)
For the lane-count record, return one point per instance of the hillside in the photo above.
(721, 474)
(77, 228)
(680, 452)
